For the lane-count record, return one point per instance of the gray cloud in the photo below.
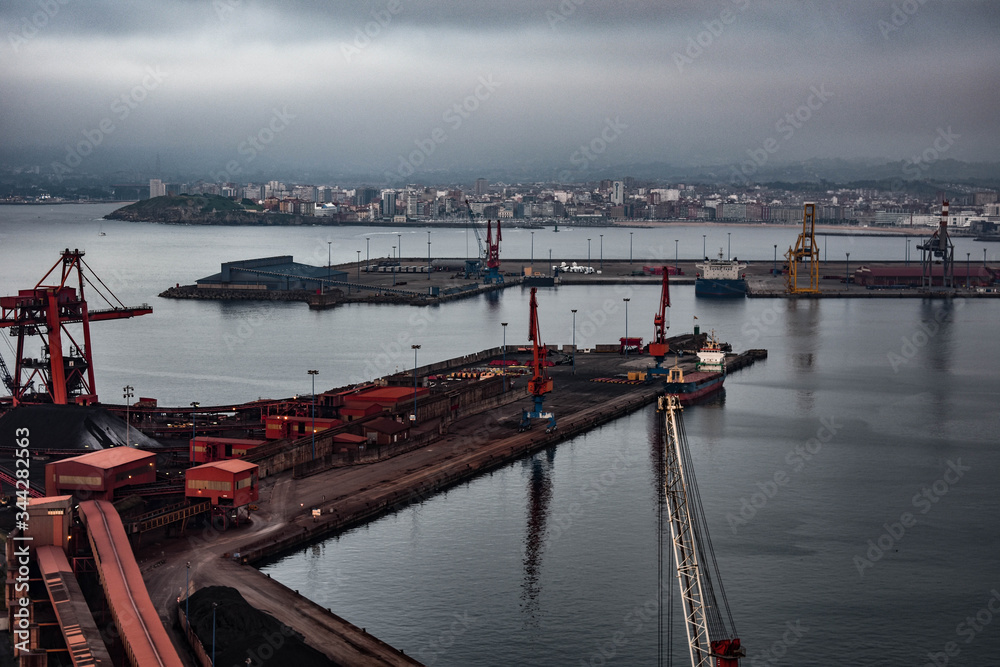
(370, 82)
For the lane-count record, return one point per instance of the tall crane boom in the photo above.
(659, 346)
(711, 641)
(475, 229)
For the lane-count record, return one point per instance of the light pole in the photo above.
(774, 268)
(368, 252)
(907, 252)
(626, 300)
(313, 374)
(630, 248)
(393, 267)
(359, 268)
(602, 252)
(399, 256)
(588, 252)
(704, 240)
(532, 249)
(676, 269)
(504, 325)
(574, 340)
(128, 401)
(847, 270)
(428, 254)
(967, 269)
(214, 605)
(984, 258)
(415, 348)
(187, 598)
(729, 245)
(329, 268)
(194, 410)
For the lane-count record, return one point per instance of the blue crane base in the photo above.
(492, 276)
(537, 413)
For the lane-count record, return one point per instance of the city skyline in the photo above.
(567, 89)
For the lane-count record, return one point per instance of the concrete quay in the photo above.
(351, 495)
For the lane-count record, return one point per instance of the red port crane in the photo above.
(659, 346)
(540, 383)
(493, 274)
(45, 311)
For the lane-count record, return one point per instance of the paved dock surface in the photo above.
(352, 495)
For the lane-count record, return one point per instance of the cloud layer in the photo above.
(375, 85)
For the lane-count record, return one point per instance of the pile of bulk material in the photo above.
(242, 632)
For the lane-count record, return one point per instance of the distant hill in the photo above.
(202, 210)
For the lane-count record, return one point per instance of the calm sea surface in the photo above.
(879, 546)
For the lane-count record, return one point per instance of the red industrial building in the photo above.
(385, 431)
(912, 276)
(295, 426)
(226, 483)
(205, 449)
(99, 475)
(390, 399)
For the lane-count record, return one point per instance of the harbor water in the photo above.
(849, 479)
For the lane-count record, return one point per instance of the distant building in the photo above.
(269, 273)
(157, 188)
(482, 186)
(617, 193)
(388, 203)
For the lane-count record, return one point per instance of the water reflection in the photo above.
(539, 497)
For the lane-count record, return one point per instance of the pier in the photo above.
(295, 510)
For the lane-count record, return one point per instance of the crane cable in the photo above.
(704, 542)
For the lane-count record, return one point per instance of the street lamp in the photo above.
(704, 240)
(602, 252)
(967, 269)
(329, 268)
(729, 247)
(574, 340)
(847, 270)
(428, 254)
(676, 270)
(907, 252)
(504, 325)
(774, 268)
(588, 252)
(128, 401)
(532, 249)
(359, 267)
(393, 267)
(400, 255)
(984, 258)
(630, 248)
(214, 605)
(194, 409)
(187, 598)
(368, 253)
(626, 300)
(313, 374)
(415, 348)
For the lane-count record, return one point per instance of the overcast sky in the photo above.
(374, 85)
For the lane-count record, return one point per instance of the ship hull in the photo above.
(720, 288)
(696, 386)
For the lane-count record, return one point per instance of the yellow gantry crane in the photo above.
(804, 252)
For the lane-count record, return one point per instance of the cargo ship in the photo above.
(706, 379)
(721, 278)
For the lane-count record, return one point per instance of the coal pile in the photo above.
(86, 428)
(242, 632)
